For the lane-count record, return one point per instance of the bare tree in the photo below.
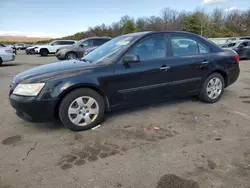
(154, 23)
(141, 23)
(169, 18)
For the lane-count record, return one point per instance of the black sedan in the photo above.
(131, 69)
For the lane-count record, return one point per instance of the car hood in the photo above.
(31, 47)
(54, 70)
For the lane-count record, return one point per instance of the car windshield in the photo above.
(232, 44)
(108, 52)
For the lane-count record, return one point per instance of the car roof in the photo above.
(157, 32)
(65, 40)
(96, 38)
(241, 40)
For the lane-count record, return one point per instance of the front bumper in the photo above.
(29, 109)
(60, 56)
(37, 50)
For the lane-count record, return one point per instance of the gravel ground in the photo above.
(197, 145)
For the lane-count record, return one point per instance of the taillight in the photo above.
(9, 51)
(237, 58)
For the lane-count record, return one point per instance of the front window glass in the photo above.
(153, 47)
(88, 43)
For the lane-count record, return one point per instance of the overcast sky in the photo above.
(55, 18)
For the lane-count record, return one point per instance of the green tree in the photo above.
(192, 24)
(128, 27)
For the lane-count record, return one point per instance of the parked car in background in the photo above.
(233, 39)
(52, 47)
(6, 54)
(10, 46)
(77, 50)
(20, 46)
(31, 49)
(87, 51)
(242, 47)
(131, 69)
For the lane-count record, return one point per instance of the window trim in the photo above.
(145, 38)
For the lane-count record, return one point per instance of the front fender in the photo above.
(56, 89)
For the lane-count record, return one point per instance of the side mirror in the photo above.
(81, 45)
(131, 59)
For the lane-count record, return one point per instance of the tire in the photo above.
(44, 52)
(32, 51)
(205, 94)
(71, 55)
(69, 101)
(1, 61)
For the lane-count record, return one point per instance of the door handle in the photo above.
(205, 62)
(164, 68)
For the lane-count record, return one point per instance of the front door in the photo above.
(85, 45)
(244, 50)
(146, 80)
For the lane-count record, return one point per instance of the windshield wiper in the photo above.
(85, 60)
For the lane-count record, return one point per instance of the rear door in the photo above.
(58, 44)
(53, 48)
(190, 62)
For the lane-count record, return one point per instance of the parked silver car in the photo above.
(6, 54)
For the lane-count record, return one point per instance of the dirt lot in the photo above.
(197, 145)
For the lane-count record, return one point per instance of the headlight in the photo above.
(28, 89)
(85, 53)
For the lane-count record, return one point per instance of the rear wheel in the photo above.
(44, 52)
(82, 109)
(212, 88)
(1, 61)
(71, 55)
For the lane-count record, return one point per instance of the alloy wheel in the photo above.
(83, 111)
(214, 88)
(71, 56)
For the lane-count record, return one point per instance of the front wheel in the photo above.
(71, 55)
(82, 109)
(212, 88)
(44, 52)
(1, 61)
(32, 51)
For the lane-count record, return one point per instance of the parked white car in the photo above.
(52, 47)
(6, 54)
